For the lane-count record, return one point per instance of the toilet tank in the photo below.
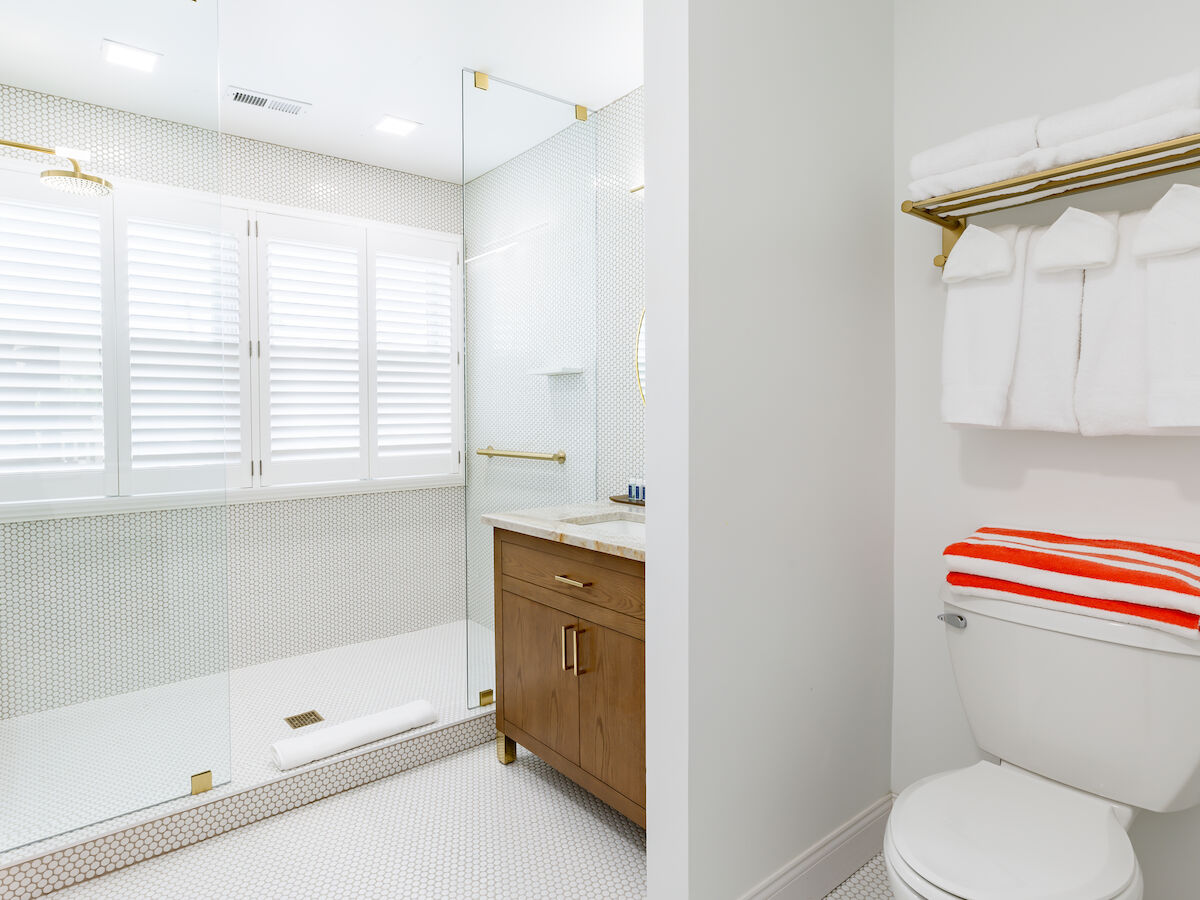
(1106, 707)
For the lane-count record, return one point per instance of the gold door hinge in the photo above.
(580, 113)
(202, 782)
(481, 80)
(487, 698)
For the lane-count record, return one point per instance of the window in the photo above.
(158, 342)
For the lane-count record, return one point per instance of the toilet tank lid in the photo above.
(1075, 623)
(993, 833)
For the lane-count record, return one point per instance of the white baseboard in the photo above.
(829, 862)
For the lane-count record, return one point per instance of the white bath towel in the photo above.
(1148, 102)
(986, 144)
(1169, 244)
(1111, 388)
(1176, 124)
(304, 748)
(1042, 396)
(980, 174)
(980, 253)
(979, 341)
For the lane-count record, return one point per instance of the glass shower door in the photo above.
(529, 227)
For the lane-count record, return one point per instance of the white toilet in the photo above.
(1091, 720)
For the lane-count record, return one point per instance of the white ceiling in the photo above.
(355, 61)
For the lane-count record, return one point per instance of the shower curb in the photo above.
(64, 867)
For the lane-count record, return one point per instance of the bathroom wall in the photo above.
(769, 572)
(82, 594)
(1035, 58)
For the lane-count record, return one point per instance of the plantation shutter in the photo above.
(53, 379)
(180, 279)
(414, 306)
(312, 292)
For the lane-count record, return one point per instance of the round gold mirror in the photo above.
(641, 356)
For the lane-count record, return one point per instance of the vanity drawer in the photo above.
(575, 572)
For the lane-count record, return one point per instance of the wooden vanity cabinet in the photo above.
(571, 664)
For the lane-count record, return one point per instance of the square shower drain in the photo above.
(312, 717)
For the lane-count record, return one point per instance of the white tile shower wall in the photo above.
(530, 306)
(85, 596)
(621, 291)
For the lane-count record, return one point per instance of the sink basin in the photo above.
(619, 523)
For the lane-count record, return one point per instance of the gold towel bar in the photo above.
(950, 211)
(560, 457)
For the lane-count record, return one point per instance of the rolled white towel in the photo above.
(979, 174)
(1042, 395)
(1169, 244)
(304, 748)
(995, 142)
(1148, 102)
(1167, 127)
(983, 318)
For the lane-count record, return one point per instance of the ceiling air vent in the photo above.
(267, 101)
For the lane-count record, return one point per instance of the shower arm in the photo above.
(47, 150)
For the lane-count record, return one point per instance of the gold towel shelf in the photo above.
(560, 457)
(950, 211)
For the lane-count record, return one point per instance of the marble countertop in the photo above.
(549, 522)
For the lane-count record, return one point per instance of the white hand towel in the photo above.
(1168, 95)
(979, 174)
(983, 318)
(980, 253)
(304, 748)
(1111, 388)
(1169, 243)
(995, 142)
(1042, 395)
(1167, 127)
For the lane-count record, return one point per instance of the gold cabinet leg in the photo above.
(506, 748)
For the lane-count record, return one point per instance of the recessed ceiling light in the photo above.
(130, 57)
(397, 125)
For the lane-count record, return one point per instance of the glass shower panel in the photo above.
(119, 416)
(529, 226)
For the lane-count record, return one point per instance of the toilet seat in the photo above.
(992, 832)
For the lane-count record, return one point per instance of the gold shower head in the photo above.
(72, 180)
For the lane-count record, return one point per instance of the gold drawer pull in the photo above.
(563, 579)
(575, 650)
(565, 667)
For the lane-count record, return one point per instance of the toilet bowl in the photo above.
(1063, 700)
(989, 832)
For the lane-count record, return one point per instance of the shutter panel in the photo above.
(51, 357)
(183, 345)
(313, 293)
(414, 321)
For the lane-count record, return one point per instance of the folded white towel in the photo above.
(1167, 127)
(1169, 243)
(979, 174)
(1077, 240)
(995, 142)
(1111, 388)
(304, 748)
(980, 253)
(1042, 396)
(1168, 95)
(979, 342)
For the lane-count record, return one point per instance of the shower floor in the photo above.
(61, 768)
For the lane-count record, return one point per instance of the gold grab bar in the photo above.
(560, 457)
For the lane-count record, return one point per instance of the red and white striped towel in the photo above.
(1110, 578)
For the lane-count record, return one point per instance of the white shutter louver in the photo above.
(314, 424)
(51, 359)
(414, 364)
(183, 345)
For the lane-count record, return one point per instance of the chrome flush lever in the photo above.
(954, 620)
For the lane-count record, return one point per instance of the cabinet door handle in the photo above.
(575, 650)
(565, 667)
(563, 579)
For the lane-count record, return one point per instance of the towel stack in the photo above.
(1162, 111)
(1156, 585)
(1088, 326)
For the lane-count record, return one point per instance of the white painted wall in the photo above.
(1031, 57)
(769, 565)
